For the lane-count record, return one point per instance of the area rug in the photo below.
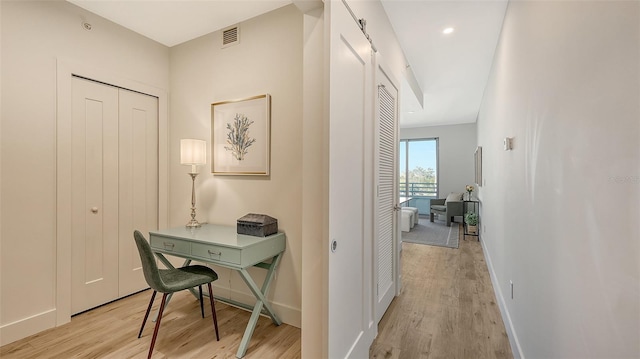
(433, 233)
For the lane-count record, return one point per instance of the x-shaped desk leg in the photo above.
(259, 293)
(261, 301)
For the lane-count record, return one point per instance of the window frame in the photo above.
(406, 142)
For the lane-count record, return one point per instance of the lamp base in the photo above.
(193, 224)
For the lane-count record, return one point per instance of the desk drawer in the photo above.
(216, 253)
(169, 245)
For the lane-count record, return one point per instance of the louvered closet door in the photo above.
(386, 192)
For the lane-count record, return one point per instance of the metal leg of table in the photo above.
(259, 293)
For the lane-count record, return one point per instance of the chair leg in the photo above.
(201, 302)
(431, 217)
(146, 315)
(155, 331)
(213, 311)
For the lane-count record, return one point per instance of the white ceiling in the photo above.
(451, 70)
(172, 22)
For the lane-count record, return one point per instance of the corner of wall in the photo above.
(313, 314)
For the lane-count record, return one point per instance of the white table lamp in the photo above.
(194, 153)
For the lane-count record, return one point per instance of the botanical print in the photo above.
(241, 136)
(238, 136)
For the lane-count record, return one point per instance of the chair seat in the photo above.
(178, 279)
(438, 207)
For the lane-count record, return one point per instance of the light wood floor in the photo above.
(447, 310)
(111, 331)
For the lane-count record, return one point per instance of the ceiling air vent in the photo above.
(230, 36)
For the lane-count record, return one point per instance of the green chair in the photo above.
(169, 281)
(450, 207)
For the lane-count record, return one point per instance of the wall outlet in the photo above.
(511, 284)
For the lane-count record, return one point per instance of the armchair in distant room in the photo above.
(448, 207)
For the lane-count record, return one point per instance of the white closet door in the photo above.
(94, 195)
(386, 216)
(138, 182)
(351, 326)
(114, 189)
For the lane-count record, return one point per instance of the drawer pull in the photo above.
(214, 253)
(168, 246)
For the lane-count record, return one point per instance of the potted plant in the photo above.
(471, 219)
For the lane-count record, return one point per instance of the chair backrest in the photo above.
(149, 265)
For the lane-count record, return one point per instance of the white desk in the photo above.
(222, 246)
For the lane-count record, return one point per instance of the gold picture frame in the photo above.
(241, 136)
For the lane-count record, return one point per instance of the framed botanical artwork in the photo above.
(240, 136)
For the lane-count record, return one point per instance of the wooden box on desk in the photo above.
(258, 225)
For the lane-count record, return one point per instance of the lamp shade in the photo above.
(193, 152)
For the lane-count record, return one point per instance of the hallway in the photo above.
(447, 308)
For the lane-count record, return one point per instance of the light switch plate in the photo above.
(507, 144)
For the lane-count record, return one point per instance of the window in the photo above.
(419, 168)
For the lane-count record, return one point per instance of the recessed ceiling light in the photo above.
(447, 30)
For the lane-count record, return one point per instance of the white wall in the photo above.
(456, 146)
(34, 36)
(268, 59)
(560, 210)
(314, 189)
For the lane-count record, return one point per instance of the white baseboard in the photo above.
(286, 313)
(506, 318)
(28, 326)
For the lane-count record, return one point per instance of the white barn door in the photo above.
(386, 222)
(351, 326)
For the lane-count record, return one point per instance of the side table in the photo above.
(467, 204)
